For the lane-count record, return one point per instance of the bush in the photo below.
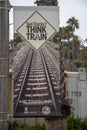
(18, 125)
(85, 124)
(76, 123)
(72, 124)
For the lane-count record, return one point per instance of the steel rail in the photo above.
(49, 80)
(29, 59)
(48, 83)
(22, 66)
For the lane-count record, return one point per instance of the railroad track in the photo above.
(36, 91)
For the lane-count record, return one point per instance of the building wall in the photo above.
(76, 88)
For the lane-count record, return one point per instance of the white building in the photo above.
(76, 89)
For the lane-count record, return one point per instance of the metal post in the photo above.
(56, 124)
(4, 66)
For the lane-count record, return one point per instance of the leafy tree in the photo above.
(17, 38)
(69, 41)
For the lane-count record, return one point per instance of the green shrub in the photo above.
(53, 45)
(85, 124)
(14, 125)
(72, 124)
(18, 125)
(76, 123)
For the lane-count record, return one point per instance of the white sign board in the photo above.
(36, 30)
(36, 24)
(33, 94)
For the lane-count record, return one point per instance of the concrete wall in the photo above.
(76, 88)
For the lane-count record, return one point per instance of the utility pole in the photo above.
(4, 65)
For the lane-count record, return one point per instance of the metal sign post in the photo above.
(4, 56)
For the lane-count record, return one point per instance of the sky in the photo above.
(77, 9)
(68, 9)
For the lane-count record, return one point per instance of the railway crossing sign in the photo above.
(36, 88)
(36, 30)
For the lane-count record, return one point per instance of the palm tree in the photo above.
(73, 24)
(64, 36)
(85, 42)
(76, 43)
